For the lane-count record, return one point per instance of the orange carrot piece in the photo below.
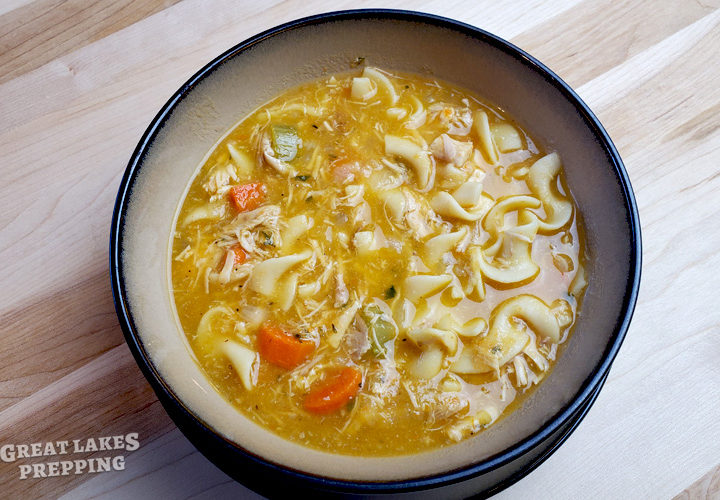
(247, 197)
(240, 255)
(334, 393)
(281, 348)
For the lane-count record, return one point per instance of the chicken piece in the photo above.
(342, 295)
(361, 215)
(269, 155)
(266, 215)
(384, 380)
(354, 195)
(446, 405)
(246, 239)
(468, 426)
(344, 170)
(229, 274)
(417, 216)
(439, 406)
(356, 339)
(461, 123)
(457, 120)
(447, 149)
(219, 178)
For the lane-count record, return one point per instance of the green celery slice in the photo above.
(285, 142)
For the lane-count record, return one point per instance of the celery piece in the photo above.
(380, 331)
(284, 142)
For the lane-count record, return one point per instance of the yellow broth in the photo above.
(361, 213)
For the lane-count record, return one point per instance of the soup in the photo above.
(377, 264)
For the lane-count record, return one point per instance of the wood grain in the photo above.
(707, 486)
(38, 32)
(589, 39)
(105, 397)
(80, 81)
(83, 313)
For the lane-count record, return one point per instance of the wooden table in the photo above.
(80, 81)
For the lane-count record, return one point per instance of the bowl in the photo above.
(239, 80)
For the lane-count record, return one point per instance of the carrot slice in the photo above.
(247, 197)
(281, 348)
(240, 255)
(334, 393)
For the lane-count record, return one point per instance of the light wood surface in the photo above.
(80, 81)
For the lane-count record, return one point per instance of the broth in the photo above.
(377, 264)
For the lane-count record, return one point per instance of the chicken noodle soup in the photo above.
(377, 264)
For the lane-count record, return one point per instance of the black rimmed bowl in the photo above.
(249, 74)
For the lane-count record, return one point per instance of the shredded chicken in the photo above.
(344, 173)
(417, 217)
(384, 380)
(448, 149)
(236, 273)
(468, 426)
(266, 216)
(533, 353)
(269, 156)
(303, 378)
(369, 411)
(361, 215)
(353, 195)
(462, 122)
(524, 376)
(457, 121)
(224, 276)
(341, 323)
(187, 251)
(356, 339)
(444, 405)
(342, 295)
(220, 177)
(247, 242)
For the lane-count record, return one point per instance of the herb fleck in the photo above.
(268, 239)
(390, 292)
(303, 177)
(309, 199)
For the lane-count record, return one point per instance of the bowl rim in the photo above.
(560, 418)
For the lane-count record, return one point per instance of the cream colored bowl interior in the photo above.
(259, 73)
